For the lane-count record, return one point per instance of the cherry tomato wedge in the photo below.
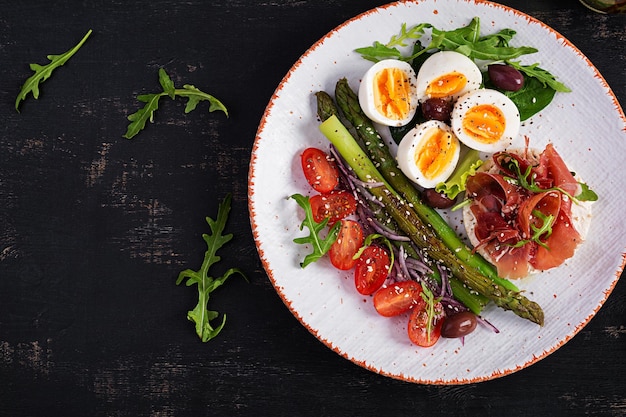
(418, 325)
(349, 241)
(335, 205)
(371, 269)
(397, 298)
(320, 170)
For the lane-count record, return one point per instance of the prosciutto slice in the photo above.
(508, 216)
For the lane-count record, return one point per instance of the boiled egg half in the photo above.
(485, 120)
(428, 153)
(447, 74)
(387, 93)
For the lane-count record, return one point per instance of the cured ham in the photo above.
(521, 212)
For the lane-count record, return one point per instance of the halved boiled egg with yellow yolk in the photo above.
(447, 74)
(485, 120)
(387, 93)
(428, 153)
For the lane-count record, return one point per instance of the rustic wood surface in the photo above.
(94, 228)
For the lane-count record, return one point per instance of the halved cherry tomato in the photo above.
(371, 269)
(349, 241)
(397, 298)
(320, 170)
(418, 325)
(335, 205)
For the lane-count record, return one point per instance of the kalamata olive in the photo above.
(505, 77)
(437, 109)
(459, 324)
(437, 200)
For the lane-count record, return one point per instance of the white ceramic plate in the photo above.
(588, 128)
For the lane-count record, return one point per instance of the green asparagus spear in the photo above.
(402, 212)
(471, 299)
(379, 152)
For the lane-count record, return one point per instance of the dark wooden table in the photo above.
(95, 228)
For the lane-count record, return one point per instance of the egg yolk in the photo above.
(435, 153)
(485, 123)
(392, 93)
(446, 85)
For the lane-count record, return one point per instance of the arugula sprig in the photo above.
(192, 94)
(527, 181)
(540, 233)
(540, 74)
(431, 301)
(379, 51)
(466, 40)
(320, 245)
(43, 72)
(369, 239)
(201, 315)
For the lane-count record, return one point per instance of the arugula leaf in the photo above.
(320, 245)
(201, 315)
(527, 181)
(368, 241)
(468, 41)
(545, 77)
(192, 94)
(43, 72)
(430, 300)
(587, 194)
(380, 51)
(542, 232)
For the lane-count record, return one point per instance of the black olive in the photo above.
(459, 324)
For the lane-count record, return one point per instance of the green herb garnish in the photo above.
(368, 241)
(379, 51)
(539, 233)
(466, 40)
(192, 94)
(527, 181)
(430, 300)
(201, 315)
(43, 72)
(320, 245)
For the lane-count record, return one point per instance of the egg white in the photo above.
(413, 142)
(367, 91)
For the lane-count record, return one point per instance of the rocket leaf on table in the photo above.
(43, 72)
(201, 315)
(146, 113)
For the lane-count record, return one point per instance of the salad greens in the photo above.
(539, 87)
(192, 94)
(466, 40)
(467, 167)
(201, 315)
(43, 72)
(320, 245)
